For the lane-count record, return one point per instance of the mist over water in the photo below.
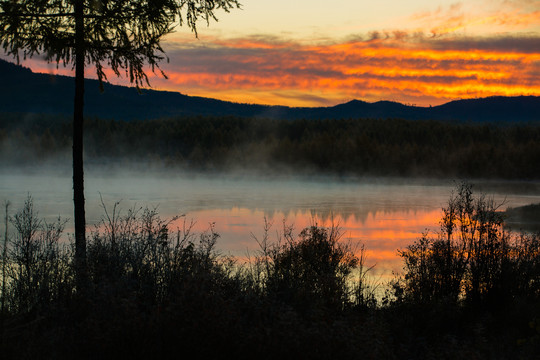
(383, 214)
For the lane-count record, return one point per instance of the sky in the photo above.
(323, 53)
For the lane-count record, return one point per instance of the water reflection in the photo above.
(383, 215)
(382, 232)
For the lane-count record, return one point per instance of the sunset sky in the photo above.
(322, 53)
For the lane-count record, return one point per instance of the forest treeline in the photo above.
(158, 290)
(380, 147)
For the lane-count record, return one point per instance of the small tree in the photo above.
(123, 34)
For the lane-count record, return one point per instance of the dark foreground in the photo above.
(470, 291)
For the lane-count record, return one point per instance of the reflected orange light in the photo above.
(382, 233)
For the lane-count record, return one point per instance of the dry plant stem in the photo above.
(4, 257)
(4, 261)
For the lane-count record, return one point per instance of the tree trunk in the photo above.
(4, 262)
(78, 173)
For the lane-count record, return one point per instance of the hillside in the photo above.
(28, 92)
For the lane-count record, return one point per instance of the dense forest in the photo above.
(380, 147)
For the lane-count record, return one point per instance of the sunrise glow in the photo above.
(422, 71)
(307, 54)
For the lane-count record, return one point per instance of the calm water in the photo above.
(382, 214)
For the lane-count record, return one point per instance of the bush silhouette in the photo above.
(310, 272)
(42, 273)
(473, 259)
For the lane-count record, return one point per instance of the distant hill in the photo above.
(24, 91)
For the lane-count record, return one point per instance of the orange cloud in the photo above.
(399, 66)
(506, 16)
(402, 67)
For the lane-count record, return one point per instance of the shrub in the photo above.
(312, 271)
(38, 272)
(473, 258)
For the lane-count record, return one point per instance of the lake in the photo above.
(382, 214)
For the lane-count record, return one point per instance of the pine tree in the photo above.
(124, 35)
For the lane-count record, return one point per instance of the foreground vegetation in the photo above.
(471, 290)
(378, 147)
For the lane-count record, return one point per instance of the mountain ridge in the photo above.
(29, 92)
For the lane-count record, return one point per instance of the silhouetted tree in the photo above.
(123, 34)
